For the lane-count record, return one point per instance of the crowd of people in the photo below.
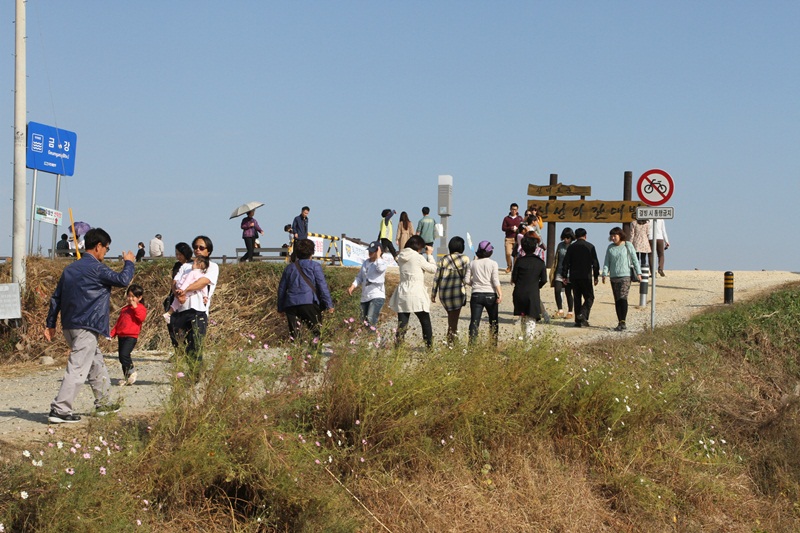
(82, 296)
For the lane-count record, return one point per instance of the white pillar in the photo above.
(20, 106)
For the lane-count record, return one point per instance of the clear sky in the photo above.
(184, 110)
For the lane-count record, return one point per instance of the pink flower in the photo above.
(102, 471)
(70, 471)
(180, 375)
(87, 456)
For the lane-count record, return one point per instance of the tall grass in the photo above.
(690, 428)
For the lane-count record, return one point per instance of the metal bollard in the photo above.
(643, 286)
(729, 287)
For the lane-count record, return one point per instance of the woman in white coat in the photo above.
(411, 295)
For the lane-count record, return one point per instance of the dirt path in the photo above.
(26, 392)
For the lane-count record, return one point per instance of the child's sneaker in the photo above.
(131, 378)
(167, 317)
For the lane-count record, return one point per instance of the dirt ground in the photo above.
(27, 391)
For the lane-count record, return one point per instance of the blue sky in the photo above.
(185, 110)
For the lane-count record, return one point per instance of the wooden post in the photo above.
(551, 228)
(626, 196)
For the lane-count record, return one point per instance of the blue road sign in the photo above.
(51, 149)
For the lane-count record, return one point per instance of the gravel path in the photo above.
(27, 391)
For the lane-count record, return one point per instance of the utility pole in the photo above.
(20, 106)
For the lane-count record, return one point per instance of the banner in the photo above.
(355, 254)
(45, 214)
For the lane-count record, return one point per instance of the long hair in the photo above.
(405, 221)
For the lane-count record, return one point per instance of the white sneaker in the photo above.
(167, 317)
(131, 378)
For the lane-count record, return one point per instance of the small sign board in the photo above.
(45, 214)
(51, 149)
(650, 213)
(559, 189)
(9, 301)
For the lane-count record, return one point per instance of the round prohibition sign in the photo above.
(655, 187)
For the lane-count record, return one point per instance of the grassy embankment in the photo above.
(691, 428)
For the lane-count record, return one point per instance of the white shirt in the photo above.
(483, 275)
(211, 274)
(372, 277)
(661, 230)
(156, 247)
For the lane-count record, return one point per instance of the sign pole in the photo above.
(653, 276)
(20, 103)
(55, 227)
(33, 210)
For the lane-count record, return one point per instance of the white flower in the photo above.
(59, 445)
(26, 453)
(23, 495)
(628, 407)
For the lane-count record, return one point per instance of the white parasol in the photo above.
(244, 208)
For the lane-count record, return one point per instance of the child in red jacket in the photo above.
(127, 328)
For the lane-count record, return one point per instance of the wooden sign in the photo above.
(586, 210)
(559, 189)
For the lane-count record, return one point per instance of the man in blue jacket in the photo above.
(82, 296)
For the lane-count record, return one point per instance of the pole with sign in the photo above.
(655, 188)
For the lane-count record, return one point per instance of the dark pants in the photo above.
(308, 315)
(660, 254)
(125, 347)
(583, 294)
(250, 244)
(479, 302)
(387, 246)
(192, 324)
(424, 321)
(557, 287)
(643, 256)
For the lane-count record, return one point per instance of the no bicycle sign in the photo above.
(655, 187)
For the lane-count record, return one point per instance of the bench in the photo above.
(266, 254)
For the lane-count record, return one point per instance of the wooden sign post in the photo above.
(555, 210)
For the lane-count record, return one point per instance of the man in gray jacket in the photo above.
(83, 296)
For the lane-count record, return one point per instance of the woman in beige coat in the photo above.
(405, 230)
(411, 295)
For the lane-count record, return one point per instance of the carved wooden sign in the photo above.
(586, 210)
(559, 190)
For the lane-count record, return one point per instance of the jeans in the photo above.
(371, 311)
(126, 345)
(193, 324)
(479, 302)
(424, 321)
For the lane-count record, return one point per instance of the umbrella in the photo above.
(244, 208)
(81, 228)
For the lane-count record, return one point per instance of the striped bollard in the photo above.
(643, 286)
(729, 287)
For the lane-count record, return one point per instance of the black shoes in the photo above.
(55, 418)
(660, 272)
(621, 326)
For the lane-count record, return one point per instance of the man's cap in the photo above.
(373, 246)
(158, 235)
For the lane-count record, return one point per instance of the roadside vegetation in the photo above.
(690, 428)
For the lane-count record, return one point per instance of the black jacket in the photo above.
(580, 261)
